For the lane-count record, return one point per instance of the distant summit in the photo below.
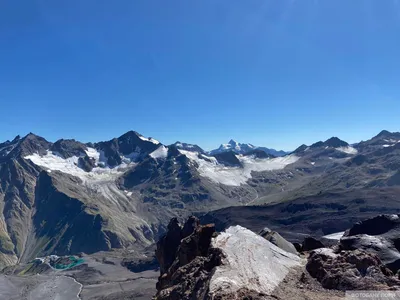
(244, 148)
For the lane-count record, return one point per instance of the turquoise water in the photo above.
(74, 261)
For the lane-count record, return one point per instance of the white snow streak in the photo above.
(334, 236)
(251, 262)
(235, 176)
(149, 139)
(160, 152)
(392, 141)
(348, 150)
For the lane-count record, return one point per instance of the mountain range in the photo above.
(69, 197)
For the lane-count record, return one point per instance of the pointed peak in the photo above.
(384, 133)
(335, 142)
(31, 136)
(301, 148)
(131, 133)
(16, 139)
(233, 142)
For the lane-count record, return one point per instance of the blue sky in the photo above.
(274, 73)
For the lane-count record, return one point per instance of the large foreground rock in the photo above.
(380, 236)
(350, 270)
(250, 262)
(236, 263)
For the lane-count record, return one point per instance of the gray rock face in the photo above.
(276, 239)
(68, 148)
(228, 159)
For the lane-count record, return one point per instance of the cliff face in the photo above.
(186, 260)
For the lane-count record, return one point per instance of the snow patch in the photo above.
(250, 262)
(93, 153)
(54, 162)
(334, 236)
(209, 167)
(160, 152)
(148, 139)
(393, 143)
(348, 150)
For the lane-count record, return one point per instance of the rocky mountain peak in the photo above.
(228, 158)
(69, 148)
(188, 147)
(384, 133)
(301, 148)
(31, 144)
(335, 142)
(16, 139)
(233, 143)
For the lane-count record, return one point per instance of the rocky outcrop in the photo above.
(203, 265)
(69, 148)
(186, 260)
(350, 270)
(380, 236)
(276, 239)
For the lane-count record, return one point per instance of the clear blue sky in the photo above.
(274, 73)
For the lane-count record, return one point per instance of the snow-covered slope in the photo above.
(53, 162)
(160, 152)
(235, 176)
(251, 262)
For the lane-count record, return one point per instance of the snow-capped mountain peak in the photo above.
(233, 145)
(243, 148)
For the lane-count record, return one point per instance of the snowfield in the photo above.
(53, 162)
(251, 262)
(235, 176)
(160, 152)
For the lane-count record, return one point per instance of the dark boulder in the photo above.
(375, 226)
(311, 243)
(298, 247)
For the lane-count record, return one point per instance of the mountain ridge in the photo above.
(125, 190)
